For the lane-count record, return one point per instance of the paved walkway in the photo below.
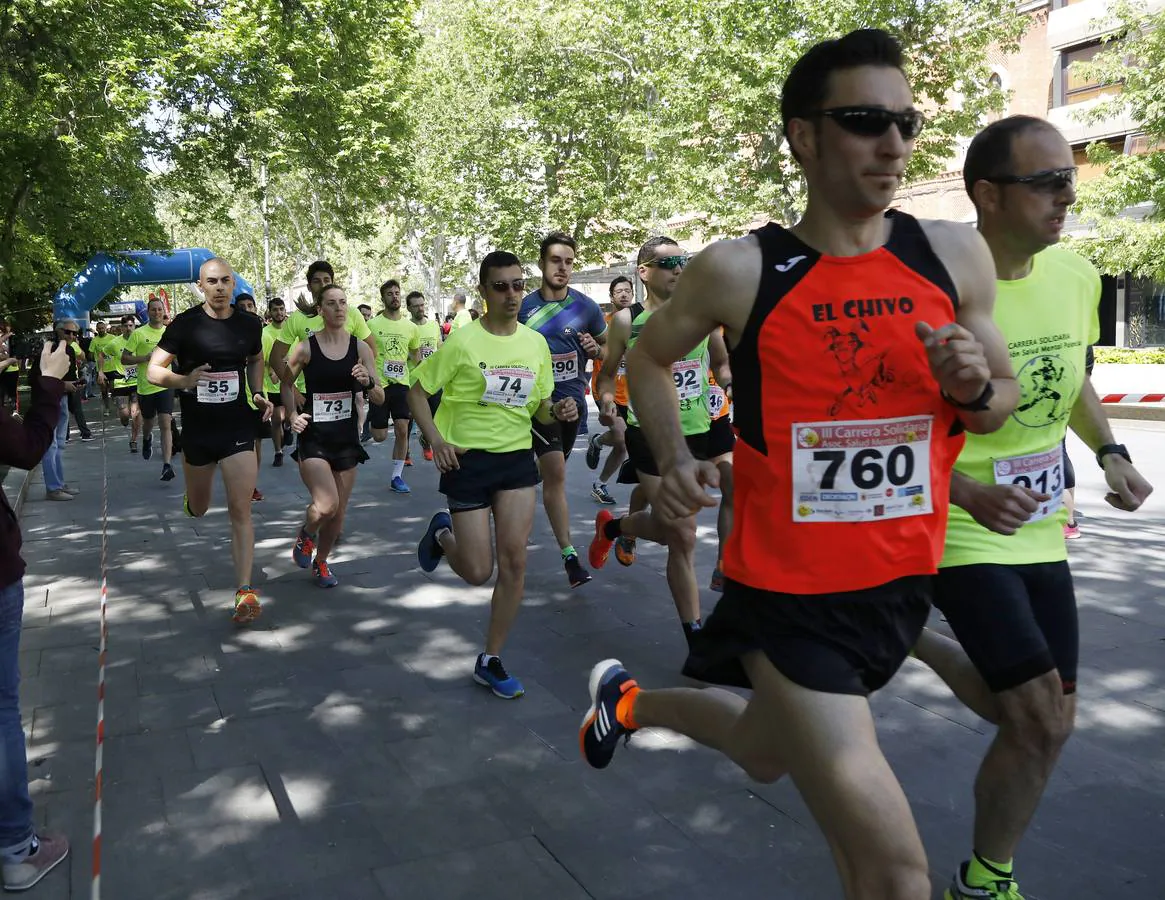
(339, 748)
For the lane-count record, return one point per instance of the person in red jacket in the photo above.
(26, 856)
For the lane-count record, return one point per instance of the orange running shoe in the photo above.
(247, 608)
(255, 495)
(428, 452)
(625, 550)
(600, 544)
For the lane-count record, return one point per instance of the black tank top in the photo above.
(331, 395)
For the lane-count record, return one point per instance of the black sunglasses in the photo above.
(668, 262)
(874, 121)
(69, 331)
(1049, 181)
(518, 284)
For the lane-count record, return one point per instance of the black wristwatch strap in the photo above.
(1118, 449)
(979, 404)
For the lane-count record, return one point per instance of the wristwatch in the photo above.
(979, 404)
(1118, 449)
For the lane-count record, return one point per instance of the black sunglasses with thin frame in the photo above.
(518, 284)
(1048, 181)
(874, 121)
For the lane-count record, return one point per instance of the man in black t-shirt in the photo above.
(218, 356)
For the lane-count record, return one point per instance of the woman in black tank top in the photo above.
(335, 367)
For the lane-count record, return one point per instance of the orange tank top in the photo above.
(620, 376)
(843, 464)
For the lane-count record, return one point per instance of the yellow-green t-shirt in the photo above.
(142, 343)
(430, 335)
(460, 320)
(492, 386)
(270, 333)
(1048, 320)
(110, 348)
(395, 340)
(299, 326)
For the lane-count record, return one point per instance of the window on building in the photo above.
(1074, 86)
(1145, 313)
(1060, 4)
(1140, 142)
(995, 83)
(1088, 170)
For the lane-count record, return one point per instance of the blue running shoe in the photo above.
(598, 737)
(304, 549)
(495, 677)
(399, 487)
(429, 550)
(324, 576)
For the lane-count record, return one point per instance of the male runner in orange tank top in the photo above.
(862, 344)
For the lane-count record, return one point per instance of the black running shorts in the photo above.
(275, 398)
(721, 437)
(843, 643)
(153, 404)
(483, 474)
(341, 456)
(1015, 622)
(639, 451)
(206, 450)
(557, 437)
(395, 407)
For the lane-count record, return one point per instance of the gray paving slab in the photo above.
(339, 748)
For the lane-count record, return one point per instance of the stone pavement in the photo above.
(339, 748)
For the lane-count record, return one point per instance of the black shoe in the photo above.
(575, 572)
(86, 438)
(167, 472)
(147, 446)
(594, 448)
(277, 462)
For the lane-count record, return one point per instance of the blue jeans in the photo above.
(51, 464)
(15, 806)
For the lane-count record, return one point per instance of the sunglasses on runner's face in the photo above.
(518, 284)
(668, 262)
(72, 331)
(1049, 181)
(874, 121)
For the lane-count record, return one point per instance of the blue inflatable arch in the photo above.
(103, 273)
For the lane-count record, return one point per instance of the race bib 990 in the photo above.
(564, 366)
(507, 386)
(218, 387)
(863, 470)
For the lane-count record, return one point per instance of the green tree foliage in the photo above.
(609, 120)
(102, 106)
(1135, 58)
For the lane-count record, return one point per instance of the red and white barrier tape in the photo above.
(95, 889)
(1132, 398)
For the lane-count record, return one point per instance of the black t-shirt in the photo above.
(34, 363)
(195, 339)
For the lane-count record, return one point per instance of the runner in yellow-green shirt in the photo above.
(397, 348)
(431, 338)
(280, 429)
(302, 323)
(1004, 583)
(155, 402)
(106, 349)
(496, 376)
(125, 385)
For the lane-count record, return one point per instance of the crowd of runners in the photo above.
(843, 393)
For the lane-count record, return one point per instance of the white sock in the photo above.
(398, 468)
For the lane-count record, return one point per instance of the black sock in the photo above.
(613, 529)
